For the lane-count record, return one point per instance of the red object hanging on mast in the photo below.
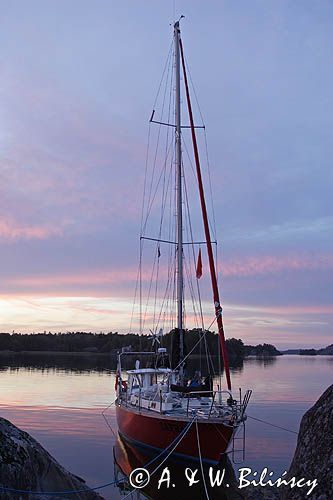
(199, 266)
(218, 308)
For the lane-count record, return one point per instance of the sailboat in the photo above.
(156, 407)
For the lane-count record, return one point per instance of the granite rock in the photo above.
(313, 458)
(26, 465)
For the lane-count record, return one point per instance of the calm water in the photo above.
(62, 409)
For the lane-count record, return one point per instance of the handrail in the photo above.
(237, 409)
(136, 352)
(206, 392)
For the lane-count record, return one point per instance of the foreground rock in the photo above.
(313, 457)
(25, 465)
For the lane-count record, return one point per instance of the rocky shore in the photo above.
(26, 465)
(313, 458)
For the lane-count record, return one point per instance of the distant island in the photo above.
(311, 352)
(112, 342)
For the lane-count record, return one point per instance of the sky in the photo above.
(77, 87)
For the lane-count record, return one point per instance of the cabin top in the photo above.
(142, 371)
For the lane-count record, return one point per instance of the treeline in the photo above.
(67, 342)
(308, 352)
(314, 352)
(113, 342)
(262, 350)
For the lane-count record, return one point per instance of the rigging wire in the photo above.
(206, 146)
(166, 67)
(168, 200)
(190, 352)
(210, 364)
(213, 226)
(188, 227)
(196, 181)
(190, 286)
(149, 290)
(200, 340)
(106, 420)
(156, 252)
(168, 286)
(272, 425)
(200, 458)
(151, 199)
(180, 436)
(135, 295)
(171, 304)
(160, 229)
(139, 273)
(186, 429)
(166, 302)
(165, 190)
(163, 73)
(208, 357)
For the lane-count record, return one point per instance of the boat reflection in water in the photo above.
(128, 457)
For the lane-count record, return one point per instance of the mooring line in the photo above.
(200, 458)
(273, 425)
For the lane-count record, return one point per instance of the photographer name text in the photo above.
(139, 478)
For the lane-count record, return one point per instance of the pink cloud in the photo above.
(268, 264)
(300, 310)
(11, 230)
(96, 277)
(123, 278)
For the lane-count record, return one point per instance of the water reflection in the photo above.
(59, 401)
(78, 362)
(262, 360)
(170, 477)
(81, 362)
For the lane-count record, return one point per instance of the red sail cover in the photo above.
(199, 265)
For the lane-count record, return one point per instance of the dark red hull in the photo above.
(156, 431)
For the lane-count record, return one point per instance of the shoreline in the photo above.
(106, 354)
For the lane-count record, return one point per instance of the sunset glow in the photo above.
(75, 107)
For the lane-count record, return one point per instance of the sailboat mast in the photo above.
(180, 278)
(218, 308)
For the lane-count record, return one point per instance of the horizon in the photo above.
(111, 332)
(77, 92)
